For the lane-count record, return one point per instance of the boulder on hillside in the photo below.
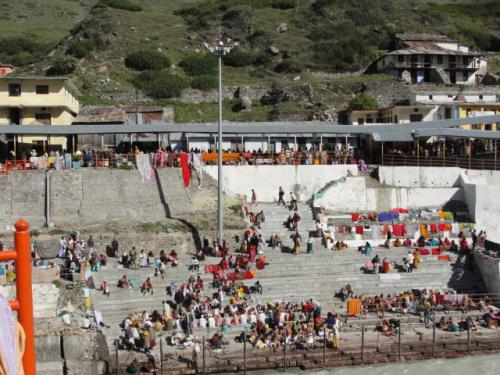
(274, 50)
(282, 28)
(246, 103)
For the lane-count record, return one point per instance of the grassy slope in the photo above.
(158, 27)
(49, 20)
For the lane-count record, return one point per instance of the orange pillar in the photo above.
(24, 293)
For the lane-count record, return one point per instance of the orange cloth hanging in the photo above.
(423, 231)
(353, 307)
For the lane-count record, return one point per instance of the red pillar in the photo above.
(24, 293)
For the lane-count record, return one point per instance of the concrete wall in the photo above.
(490, 270)
(304, 180)
(425, 177)
(91, 196)
(481, 195)
(354, 195)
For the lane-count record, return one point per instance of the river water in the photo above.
(477, 365)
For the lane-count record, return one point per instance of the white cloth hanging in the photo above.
(143, 163)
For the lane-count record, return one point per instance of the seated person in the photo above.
(453, 247)
(387, 244)
(200, 255)
(432, 242)
(407, 243)
(173, 257)
(397, 243)
(421, 241)
(124, 282)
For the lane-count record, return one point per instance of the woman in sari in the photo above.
(416, 258)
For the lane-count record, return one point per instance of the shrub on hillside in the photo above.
(349, 53)
(81, 48)
(62, 65)
(21, 51)
(283, 4)
(362, 102)
(289, 66)
(204, 82)
(160, 84)
(199, 64)
(239, 57)
(120, 4)
(147, 60)
(262, 59)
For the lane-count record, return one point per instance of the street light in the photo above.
(219, 52)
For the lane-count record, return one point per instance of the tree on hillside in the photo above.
(362, 102)
(147, 60)
(160, 84)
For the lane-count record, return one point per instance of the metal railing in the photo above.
(449, 161)
(371, 345)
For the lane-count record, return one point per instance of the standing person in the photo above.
(90, 244)
(310, 244)
(293, 202)
(376, 264)
(254, 198)
(297, 239)
(114, 246)
(411, 259)
(281, 195)
(62, 247)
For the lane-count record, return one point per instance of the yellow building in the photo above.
(41, 101)
(469, 110)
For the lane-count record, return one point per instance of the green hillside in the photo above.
(89, 40)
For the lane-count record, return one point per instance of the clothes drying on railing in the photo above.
(388, 216)
(143, 162)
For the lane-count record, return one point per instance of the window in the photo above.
(415, 110)
(361, 121)
(42, 89)
(415, 118)
(430, 97)
(401, 58)
(488, 127)
(440, 59)
(480, 97)
(43, 118)
(14, 89)
(447, 113)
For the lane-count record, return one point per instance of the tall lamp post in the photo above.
(219, 52)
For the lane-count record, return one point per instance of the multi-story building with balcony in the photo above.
(420, 58)
(41, 101)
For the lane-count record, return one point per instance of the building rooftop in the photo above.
(407, 37)
(365, 111)
(69, 84)
(100, 115)
(436, 89)
(428, 48)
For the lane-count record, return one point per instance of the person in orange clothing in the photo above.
(417, 257)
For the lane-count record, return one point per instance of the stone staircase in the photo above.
(289, 277)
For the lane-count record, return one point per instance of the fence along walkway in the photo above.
(450, 161)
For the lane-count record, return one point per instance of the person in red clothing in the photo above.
(463, 244)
